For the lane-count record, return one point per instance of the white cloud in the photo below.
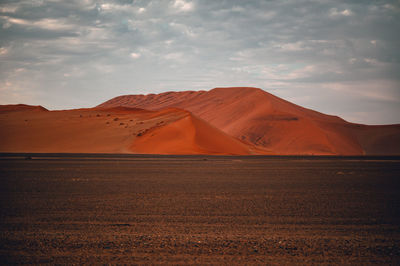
(3, 50)
(48, 24)
(135, 55)
(109, 7)
(183, 6)
(53, 24)
(8, 9)
(346, 12)
(334, 12)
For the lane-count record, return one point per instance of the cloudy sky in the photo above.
(337, 57)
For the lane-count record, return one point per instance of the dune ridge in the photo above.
(21, 107)
(269, 122)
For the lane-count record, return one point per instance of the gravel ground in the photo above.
(199, 210)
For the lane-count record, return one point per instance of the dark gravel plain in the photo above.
(130, 209)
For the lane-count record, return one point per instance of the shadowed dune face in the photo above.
(262, 119)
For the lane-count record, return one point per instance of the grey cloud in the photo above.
(65, 54)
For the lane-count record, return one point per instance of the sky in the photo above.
(336, 57)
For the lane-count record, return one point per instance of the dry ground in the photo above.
(199, 209)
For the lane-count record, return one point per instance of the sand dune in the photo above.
(189, 135)
(271, 123)
(21, 107)
(219, 121)
(111, 130)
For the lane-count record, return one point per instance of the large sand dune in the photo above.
(271, 123)
(111, 130)
(219, 121)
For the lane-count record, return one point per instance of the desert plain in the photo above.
(199, 209)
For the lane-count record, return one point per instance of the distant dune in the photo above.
(237, 121)
(21, 108)
(271, 123)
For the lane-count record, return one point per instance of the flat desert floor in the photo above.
(70, 208)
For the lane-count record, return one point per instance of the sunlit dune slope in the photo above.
(189, 135)
(271, 123)
(111, 130)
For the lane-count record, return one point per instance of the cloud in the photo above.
(334, 12)
(183, 6)
(135, 55)
(3, 50)
(78, 53)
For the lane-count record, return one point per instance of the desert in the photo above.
(199, 132)
(231, 175)
(225, 121)
(198, 209)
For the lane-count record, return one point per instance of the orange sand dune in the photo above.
(271, 123)
(21, 107)
(222, 121)
(111, 130)
(378, 140)
(189, 135)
